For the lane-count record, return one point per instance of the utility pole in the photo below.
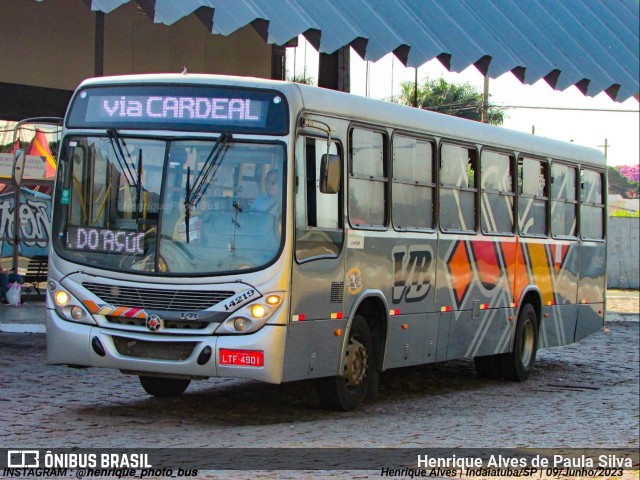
(485, 101)
(415, 90)
(606, 149)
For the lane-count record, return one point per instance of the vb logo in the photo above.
(411, 277)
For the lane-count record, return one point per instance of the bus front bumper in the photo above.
(82, 345)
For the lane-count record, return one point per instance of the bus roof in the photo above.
(379, 112)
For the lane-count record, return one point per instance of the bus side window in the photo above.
(367, 179)
(458, 166)
(318, 218)
(532, 203)
(564, 200)
(592, 205)
(498, 195)
(413, 184)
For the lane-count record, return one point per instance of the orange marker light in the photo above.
(337, 332)
(405, 326)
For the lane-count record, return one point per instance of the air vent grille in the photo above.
(155, 299)
(336, 292)
(174, 351)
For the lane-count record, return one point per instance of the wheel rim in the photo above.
(355, 366)
(528, 342)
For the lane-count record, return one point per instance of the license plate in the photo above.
(242, 358)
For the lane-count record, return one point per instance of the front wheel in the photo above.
(347, 391)
(518, 364)
(164, 387)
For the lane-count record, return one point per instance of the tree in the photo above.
(458, 100)
(620, 184)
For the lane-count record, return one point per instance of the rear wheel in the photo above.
(347, 391)
(164, 387)
(518, 364)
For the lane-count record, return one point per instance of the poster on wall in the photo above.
(34, 224)
(35, 167)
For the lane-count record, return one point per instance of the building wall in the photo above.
(622, 253)
(51, 45)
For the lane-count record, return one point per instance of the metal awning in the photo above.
(592, 44)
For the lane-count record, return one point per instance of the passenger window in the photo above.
(458, 188)
(318, 218)
(592, 207)
(498, 195)
(532, 203)
(367, 179)
(564, 201)
(413, 186)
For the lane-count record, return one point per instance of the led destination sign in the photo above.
(227, 110)
(105, 240)
(180, 107)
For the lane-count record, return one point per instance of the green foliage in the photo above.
(301, 78)
(619, 184)
(625, 213)
(458, 100)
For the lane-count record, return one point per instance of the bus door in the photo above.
(317, 287)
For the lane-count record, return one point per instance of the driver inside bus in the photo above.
(271, 200)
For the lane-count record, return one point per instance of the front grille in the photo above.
(168, 324)
(175, 351)
(155, 299)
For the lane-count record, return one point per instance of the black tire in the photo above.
(164, 387)
(518, 364)
(347, 392)
(488, 366)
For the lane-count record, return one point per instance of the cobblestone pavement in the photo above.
(582, 395)
(623, 301)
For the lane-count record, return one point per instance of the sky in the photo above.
(619, 128)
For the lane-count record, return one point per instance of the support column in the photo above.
(278, 62)
(334, 71)
(98, 65)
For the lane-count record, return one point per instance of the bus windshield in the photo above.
(169, 207)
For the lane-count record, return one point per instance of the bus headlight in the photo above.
(258, 311)
(251, 317)
(241, 324)
(68, 307)
(61, 298)
(77, 313)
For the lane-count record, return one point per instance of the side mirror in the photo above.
(330, 173)
(18, 165)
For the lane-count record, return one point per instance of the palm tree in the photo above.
(441, 96)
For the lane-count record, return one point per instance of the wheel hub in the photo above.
(528, 342)
(356, 360)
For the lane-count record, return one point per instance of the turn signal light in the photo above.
(272, 300)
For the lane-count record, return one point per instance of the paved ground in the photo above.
(582, 395)
(623, 301)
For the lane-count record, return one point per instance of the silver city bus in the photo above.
(209, 226)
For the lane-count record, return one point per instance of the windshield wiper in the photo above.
(193, 194)
(117, 141)
(209, 168)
